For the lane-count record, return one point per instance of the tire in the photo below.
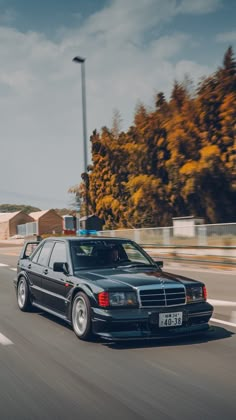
(81, 316)
(23, 295)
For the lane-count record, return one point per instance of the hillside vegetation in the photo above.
(10, 208)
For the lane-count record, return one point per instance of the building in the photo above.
(186, 226)
(69, 224)
(10, 221)
(92, 222)
(48, 222)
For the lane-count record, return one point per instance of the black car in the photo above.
(109, 287)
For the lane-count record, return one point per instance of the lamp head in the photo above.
(78, 59)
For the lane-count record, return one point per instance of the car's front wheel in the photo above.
(81, 316)
(23, 296)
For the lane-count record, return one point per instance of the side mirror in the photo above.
(61, 267)
(159, 263)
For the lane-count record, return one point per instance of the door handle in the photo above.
(45, 271)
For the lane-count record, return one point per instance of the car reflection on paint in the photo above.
(109, 287)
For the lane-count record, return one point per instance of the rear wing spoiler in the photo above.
(28, 249)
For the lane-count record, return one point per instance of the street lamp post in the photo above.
(81, 60)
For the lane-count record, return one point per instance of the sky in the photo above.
(133, 49)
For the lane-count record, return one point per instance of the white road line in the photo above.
(4, 340)
(233, 317)
(3, 265)
(13, 269)
(216, 302)
(219, 321)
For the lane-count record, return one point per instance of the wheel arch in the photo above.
(87, 291)
(26, 305)
(20, 275)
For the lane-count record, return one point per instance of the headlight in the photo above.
(196, 294)
(122, 299)
(117, 299)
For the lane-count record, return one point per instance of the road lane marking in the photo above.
(14, 254)
(216, 302)
(233, 317)
(4, 340)
(3, 265)
(13, 269)
(219, 321)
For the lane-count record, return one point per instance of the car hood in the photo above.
(132, 278)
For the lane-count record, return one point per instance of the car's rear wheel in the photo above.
(23, 295)
(81, 316)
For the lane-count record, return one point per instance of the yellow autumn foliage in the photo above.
(172, 161)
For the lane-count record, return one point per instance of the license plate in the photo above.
(171, 319)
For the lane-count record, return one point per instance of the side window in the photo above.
(45, 253)
(30, 247)
(58, 254)
(134, 254)
(36, 255)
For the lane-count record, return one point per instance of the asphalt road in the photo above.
(46, 373)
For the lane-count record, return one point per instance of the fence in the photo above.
(215, 235)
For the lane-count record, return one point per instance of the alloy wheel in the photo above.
(80, 315)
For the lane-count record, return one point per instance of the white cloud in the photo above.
(199, 6)
(40, 93)
(227, 37)
(169, 45)
(194, 70)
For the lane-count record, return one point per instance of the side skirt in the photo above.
(50, 311)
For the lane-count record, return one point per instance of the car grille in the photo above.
(165, 296)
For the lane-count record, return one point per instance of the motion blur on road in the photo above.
(47, 373)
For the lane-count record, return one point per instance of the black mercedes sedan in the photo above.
(109, 287)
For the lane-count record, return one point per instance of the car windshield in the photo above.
(107, 253)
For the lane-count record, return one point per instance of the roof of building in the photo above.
(37, 214)
(88, 217)
(5, 217)
(186, 217)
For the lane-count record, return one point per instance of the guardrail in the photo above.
(208, 235)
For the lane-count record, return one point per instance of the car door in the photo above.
(29, 266)
(55, 284)
(35, 270)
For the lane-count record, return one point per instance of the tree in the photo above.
(206, 186)
(116, 123)
(160, 101)
(227, 74)
(177, 159)
(179, 95)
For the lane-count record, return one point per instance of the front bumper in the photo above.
(142, 323)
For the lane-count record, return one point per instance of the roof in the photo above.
(89, 217)
(87, 238)
(86, 217)
(5, 217)
(184, 217)
(37, 214)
